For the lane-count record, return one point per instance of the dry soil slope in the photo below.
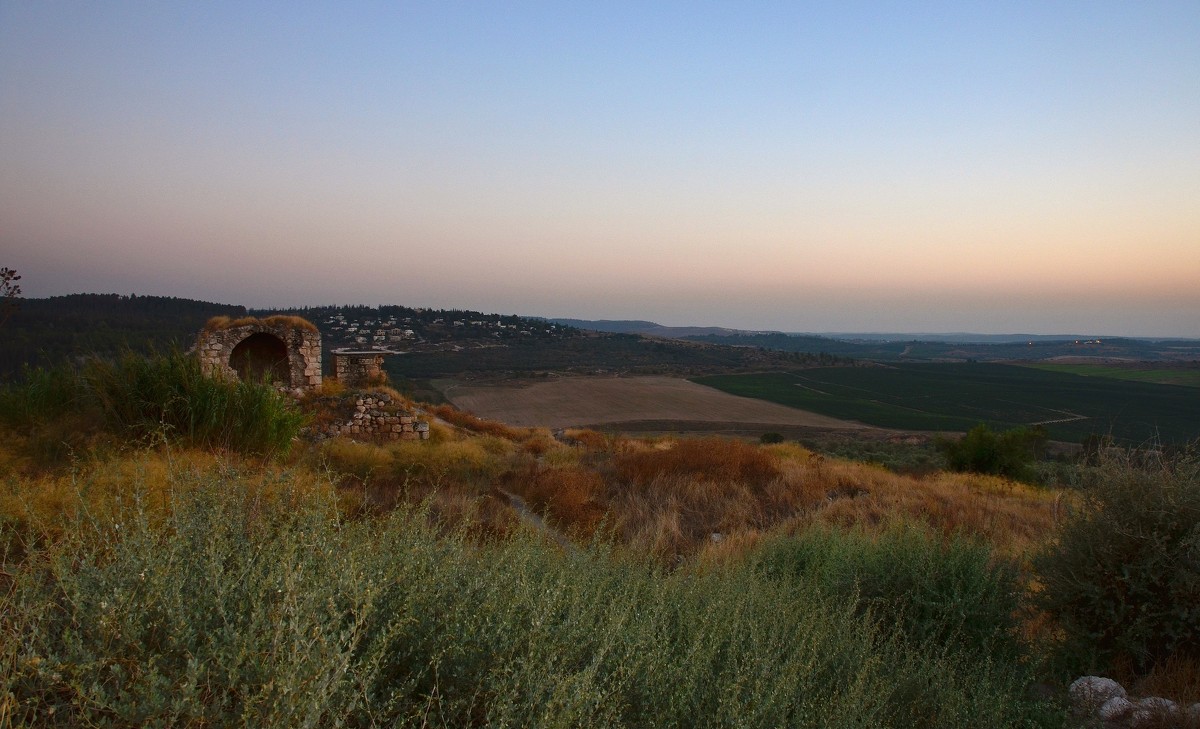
(577, 401)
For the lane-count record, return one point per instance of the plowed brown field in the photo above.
(589, 401)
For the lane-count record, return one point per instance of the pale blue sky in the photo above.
(951, 166)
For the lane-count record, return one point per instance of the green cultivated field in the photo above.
(957, 396)
(1158, 375)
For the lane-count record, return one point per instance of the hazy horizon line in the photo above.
(836, 333)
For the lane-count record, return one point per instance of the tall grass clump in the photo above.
(40, 395)
(1122, 578)
(145, 395)
(136, 396)
(231, 609)
(936, 591)
(45, 416)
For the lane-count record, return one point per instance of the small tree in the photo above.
(10, 293)
(1123, 577)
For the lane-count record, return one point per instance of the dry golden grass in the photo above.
(217, 323)
(673, 501)
(676, 515)
(470, 422)
(587, 438)
(52, 504)
(670, 497)
(665, 496)
(482, 515)
(1012, 516)
(1177, 679)
(715, 459)
(414, 471)
(329, 388)
(571, 495)
(539, 442)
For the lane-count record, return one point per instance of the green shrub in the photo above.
(771, 437)
(162, 395)
(170, 393)
(279, 613)
(1011, 453)
(1122, 579)
(935, 592)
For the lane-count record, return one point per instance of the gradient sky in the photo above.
(957, 166)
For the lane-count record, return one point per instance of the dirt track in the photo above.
(579, 401)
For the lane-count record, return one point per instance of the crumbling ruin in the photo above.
(284, 350)
(357, 369)
(371, 414)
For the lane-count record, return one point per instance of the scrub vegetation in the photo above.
(62, 410)
(496, 575)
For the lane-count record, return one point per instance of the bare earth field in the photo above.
(594, 401)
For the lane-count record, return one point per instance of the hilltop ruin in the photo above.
(285, 350)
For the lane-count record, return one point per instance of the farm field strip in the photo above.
(957, 396)
(580, 401)
(1156, 375)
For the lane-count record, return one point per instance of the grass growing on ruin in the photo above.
(217, 323)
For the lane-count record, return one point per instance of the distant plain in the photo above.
(957, 396)
(587, 401)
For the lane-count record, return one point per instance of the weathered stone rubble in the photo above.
(355, 370)
(1102, 702)
(376, 415)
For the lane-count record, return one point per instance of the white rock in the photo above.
(1115, 708)
(1155, 703)
(1089, 692)
(1151, 708)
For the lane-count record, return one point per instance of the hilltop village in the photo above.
(399, 328)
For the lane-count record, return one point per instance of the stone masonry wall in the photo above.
(353, 370)
(302, 341)
(377, 415)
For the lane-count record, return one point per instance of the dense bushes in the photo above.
(1011, 453)
(1123, 578)
(236, 609)
(165, 395)
(936, 593)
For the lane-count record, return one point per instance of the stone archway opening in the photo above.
(285, 350)
(261, 356)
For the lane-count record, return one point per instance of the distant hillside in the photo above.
(47, 331)
(434, 342)
(647, 328)
(948, 337)
(409, 329)
(917, 347)
(915, 350)
(598, 353)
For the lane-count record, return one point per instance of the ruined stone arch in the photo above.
(261, 356)
(283, 349)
